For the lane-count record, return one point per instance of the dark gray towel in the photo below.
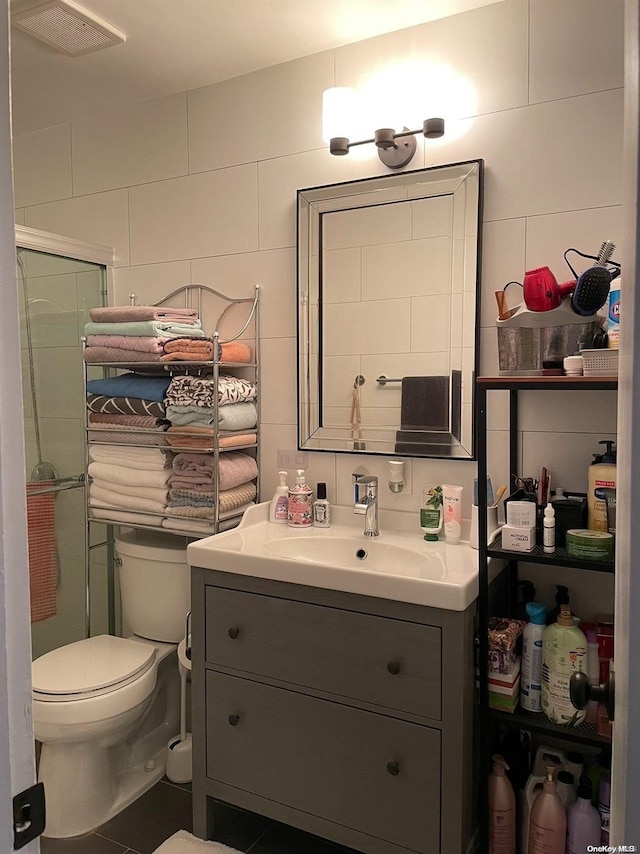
(425, 403)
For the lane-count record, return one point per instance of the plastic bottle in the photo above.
(601, 474)
(502, 810)
(583, 822)
(604, 805)
(549, 529)
(564, 650)
(613, 315)
(526, 594)
(278, 512)
(321, 508)
(566, 788)
(562, 598)
(300, 513)
(548, 823)
(531, 668)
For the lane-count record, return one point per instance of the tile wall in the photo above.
(201, 187)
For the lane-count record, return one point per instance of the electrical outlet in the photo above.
(293, 459)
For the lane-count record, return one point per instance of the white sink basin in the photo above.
(397, 565)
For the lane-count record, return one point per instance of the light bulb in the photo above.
(338, 110)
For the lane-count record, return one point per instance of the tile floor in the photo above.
(166, 808)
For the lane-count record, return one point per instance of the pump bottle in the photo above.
(502, 810)
(601, 475)
(278, 512)
(548, 822)
(300, 512)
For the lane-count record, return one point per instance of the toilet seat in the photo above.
(90, 668)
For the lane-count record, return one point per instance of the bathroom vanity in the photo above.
(347, 715)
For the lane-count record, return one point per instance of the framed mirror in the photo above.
(388, 296)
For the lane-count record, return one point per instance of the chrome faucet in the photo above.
(367, 504)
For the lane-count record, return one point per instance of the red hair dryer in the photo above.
(541, 290)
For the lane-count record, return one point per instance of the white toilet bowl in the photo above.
(101, 745)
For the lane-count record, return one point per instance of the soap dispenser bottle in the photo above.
(300, 512)
(548, 822)
(601, 475)
(279, 510)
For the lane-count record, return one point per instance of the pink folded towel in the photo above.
(95, 355)
(188, 350)
(235, 351)
(234, 468)
(146, 344)
(129, 313)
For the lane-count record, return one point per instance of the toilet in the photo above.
(105, 707)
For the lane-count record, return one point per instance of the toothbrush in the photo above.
(501, 491)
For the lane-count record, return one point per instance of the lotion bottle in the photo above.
(502, 810)
(548, 822)
(564, 651)
(300, 512)
(452, 505)
(278, 512)
(601, 475)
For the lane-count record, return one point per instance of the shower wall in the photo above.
(57, 293)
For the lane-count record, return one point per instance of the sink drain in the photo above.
(361, 554)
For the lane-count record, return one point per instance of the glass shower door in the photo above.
(55, 296)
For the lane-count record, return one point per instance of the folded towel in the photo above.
(201, 391)
(195, 526)
(123, 518)
(129, 342)
(146, 328)
(230, 499)
(127, 474)
(97, 355)
(113, 405)
(188, 349)
(149, 493)
(149, 459)
(191, 512)
(110, 498)
(131, 385)
(234, 351)
(146, 422)
(155, 439)
(233, 468)
(193, 436)
(129, 313)
(235, 416)
(424, 403)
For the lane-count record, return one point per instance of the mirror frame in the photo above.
(312, 203)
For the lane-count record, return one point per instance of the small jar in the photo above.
(573, 366)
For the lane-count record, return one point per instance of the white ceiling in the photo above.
(175, 45)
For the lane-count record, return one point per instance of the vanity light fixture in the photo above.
(395, 149)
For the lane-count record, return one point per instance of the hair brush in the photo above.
(591, 291)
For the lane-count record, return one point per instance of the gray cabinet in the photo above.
(347, 716)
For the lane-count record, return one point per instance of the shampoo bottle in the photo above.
(278, 512)
(548, 823)
(564, 650)
(300, 513)
(601, 475)
(502, 810)
(531, 671)
(583, 822)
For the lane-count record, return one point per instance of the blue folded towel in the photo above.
(131, 385)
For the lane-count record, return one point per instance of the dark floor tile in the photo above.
(281, 839)
(90, 844)
(154, 817)
(237, 828)
(186, 786)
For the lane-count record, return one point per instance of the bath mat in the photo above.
(184, 843)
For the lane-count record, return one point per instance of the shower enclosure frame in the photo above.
(103, 255)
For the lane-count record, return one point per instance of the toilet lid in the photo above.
(92, 664)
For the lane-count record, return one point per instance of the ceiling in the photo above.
(175, 45)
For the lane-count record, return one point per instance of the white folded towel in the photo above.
(187, 525)
(184, 843)
(125, 518)
(153, 459)
(152, 493)
(127, 474)
(111, 498)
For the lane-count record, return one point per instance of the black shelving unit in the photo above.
(585, 734)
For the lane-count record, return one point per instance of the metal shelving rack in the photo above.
(585, 734)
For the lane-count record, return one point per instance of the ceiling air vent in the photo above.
(65, 26)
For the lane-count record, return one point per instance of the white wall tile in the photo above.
(135, 145)
(360, 327)
(586, 411)
(429, 333)
(577, 46)
(407, 269)
(149, 282)
(495, 65)
(503, 260)
(530, 170)
(432, 217)
(19, 216)
(588, 599)
(338, 374)
(214, 213)
(367, 226)
(567, 457)
(42, 166)
(274, 271)
(100, 218)
(342, 275)
(257, 116)
(278, 381)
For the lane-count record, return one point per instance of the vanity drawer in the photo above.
(386, 662)
(366, 771)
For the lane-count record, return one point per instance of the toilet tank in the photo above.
(155, 584)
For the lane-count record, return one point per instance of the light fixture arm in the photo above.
(393, 154)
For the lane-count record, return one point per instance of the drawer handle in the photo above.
(393, 768)
(234, 720)
(393, 667)
(233, 632)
